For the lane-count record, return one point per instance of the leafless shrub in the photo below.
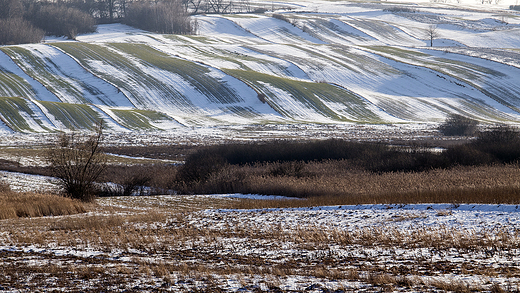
(77, 163)
(456, 124)
(61, 20)
(126, 180)
(168, 17)
(19, 31)
(262, 98)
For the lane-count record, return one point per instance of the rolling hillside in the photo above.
(320, 62)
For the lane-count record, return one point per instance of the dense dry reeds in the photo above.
(14, 205)
(334, 171)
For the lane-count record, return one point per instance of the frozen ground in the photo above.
(190, 243)
(220, 134)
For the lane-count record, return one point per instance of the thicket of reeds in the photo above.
(27, 204)
(484, 170)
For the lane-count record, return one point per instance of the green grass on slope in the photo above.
(41, 70)
(216, 90)
(140, 119)
(315, 96)
(73, 116)
(15, 111)
(13, 85)
(126, 74)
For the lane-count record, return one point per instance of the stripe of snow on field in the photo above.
(29, 119)
(37, 90)
(242, 57)
(109, 119)
(85, 84)
(275, 30)
(246, 95)
(222, 29)
(384, 32)
(149, 98)
(118, 33)
(293, 108)
(494, 39)
(506, 83)
(4, 129)
(342, 110)
(39, 114)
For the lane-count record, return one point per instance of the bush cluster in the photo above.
(19, 31)
(60, 20)
(458, 125)
(162, 17)
(21, 24)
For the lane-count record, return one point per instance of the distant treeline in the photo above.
(27, 21)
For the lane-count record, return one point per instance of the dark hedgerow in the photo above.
(502, 142)
(458, 125)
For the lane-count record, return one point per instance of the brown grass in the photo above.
(331, 183)
(14, 205)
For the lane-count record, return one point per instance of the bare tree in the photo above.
(11, 9)
(432, 33)
(78, 162)
(219, 6)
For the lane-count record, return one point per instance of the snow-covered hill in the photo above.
(319, 62)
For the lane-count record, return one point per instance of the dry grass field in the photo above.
(196, 243)
(205, 244)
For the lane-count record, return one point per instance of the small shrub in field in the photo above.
(467, 155)
(281, 17)
(125, 181)
(458, 125)
(77, 163)
(200, 166)
(296, 169)
(397, 9)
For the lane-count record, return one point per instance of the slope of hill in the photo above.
(320, 62)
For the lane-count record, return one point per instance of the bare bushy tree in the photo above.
(165, 17)
(18, 31)
(61, 20)
(432, 33)
(78, 162)
(11, 9)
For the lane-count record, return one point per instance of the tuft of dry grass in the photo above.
(15, 205)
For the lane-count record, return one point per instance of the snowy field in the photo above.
(200, 243)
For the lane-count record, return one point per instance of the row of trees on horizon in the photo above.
(28, 21)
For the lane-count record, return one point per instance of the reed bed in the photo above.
(27, 204)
